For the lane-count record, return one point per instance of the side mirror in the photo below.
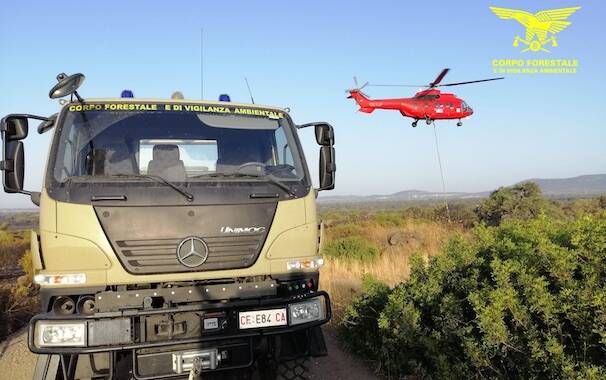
(13, 167)
(14, 127)
(328, 168)
(47, 125)
(325, 137)
(325, 134)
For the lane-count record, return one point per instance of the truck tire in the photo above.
(296, 369)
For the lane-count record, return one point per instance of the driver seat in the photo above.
(166, 163)
(118, 160)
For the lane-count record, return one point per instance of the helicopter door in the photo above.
(449, 109)
(440, 110)
(428, 108)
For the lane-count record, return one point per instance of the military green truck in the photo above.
(177, 239)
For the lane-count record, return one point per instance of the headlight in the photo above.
(305, 264)
(308, 311)
(61, 334)
(60, 279)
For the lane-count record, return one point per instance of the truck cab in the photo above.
(177, 238)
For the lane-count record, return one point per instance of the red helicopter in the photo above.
(429, 104)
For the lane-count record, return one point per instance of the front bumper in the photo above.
(141, 337)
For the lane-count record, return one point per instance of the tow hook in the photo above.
(195, 362)
(196, 369)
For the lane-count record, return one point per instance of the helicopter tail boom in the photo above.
(362, 101)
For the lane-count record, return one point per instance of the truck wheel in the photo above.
(296, 369)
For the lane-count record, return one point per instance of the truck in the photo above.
(177, 238)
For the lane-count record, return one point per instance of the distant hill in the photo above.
(585, 185)
(402, 196)
(579, 186)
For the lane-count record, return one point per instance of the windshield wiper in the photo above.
(157, 179)
(263, 177)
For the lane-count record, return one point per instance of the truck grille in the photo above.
(145, 238)
(159, 256)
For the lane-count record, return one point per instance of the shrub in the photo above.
(389, 219)
(342, 230)
(352, 247)
(526, 299)
(18, 299)
(463, 214)
(12, 247)
(361, 331)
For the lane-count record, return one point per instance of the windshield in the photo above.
(178, 142)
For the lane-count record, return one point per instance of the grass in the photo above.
(18, 297)
(341, 275)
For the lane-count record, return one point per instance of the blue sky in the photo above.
(303, 55)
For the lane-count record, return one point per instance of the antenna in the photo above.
(201, 63)
(249, 92)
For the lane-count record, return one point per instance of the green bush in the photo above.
(352, 247)
(526, 299)
(389, 219)
(361, 331)
(343, 230)
(463, 214)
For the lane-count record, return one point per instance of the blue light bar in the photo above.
(224, 98)
(127, 94)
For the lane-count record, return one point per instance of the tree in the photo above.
(522, 201)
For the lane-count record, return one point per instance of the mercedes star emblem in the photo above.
(192, 252)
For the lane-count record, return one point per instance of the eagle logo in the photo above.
(538, 26)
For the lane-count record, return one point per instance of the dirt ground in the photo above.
(17, 363)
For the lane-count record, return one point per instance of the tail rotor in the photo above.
(357, 88)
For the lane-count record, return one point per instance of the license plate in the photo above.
(262, 318)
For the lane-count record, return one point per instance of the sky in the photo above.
(303, 55)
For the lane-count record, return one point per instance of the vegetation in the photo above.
(352, 247)
(18, 300)
(522, 294)
(389, 219)
(366, 241)
(523, 201)
(12, 247)
(18, 221)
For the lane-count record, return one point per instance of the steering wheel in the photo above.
(252, 163)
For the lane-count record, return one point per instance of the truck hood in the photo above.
(172, 239)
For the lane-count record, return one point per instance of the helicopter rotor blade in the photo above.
(472, 81)
(355, 81)
(364, 85)
(397, 85)
(439, 78)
